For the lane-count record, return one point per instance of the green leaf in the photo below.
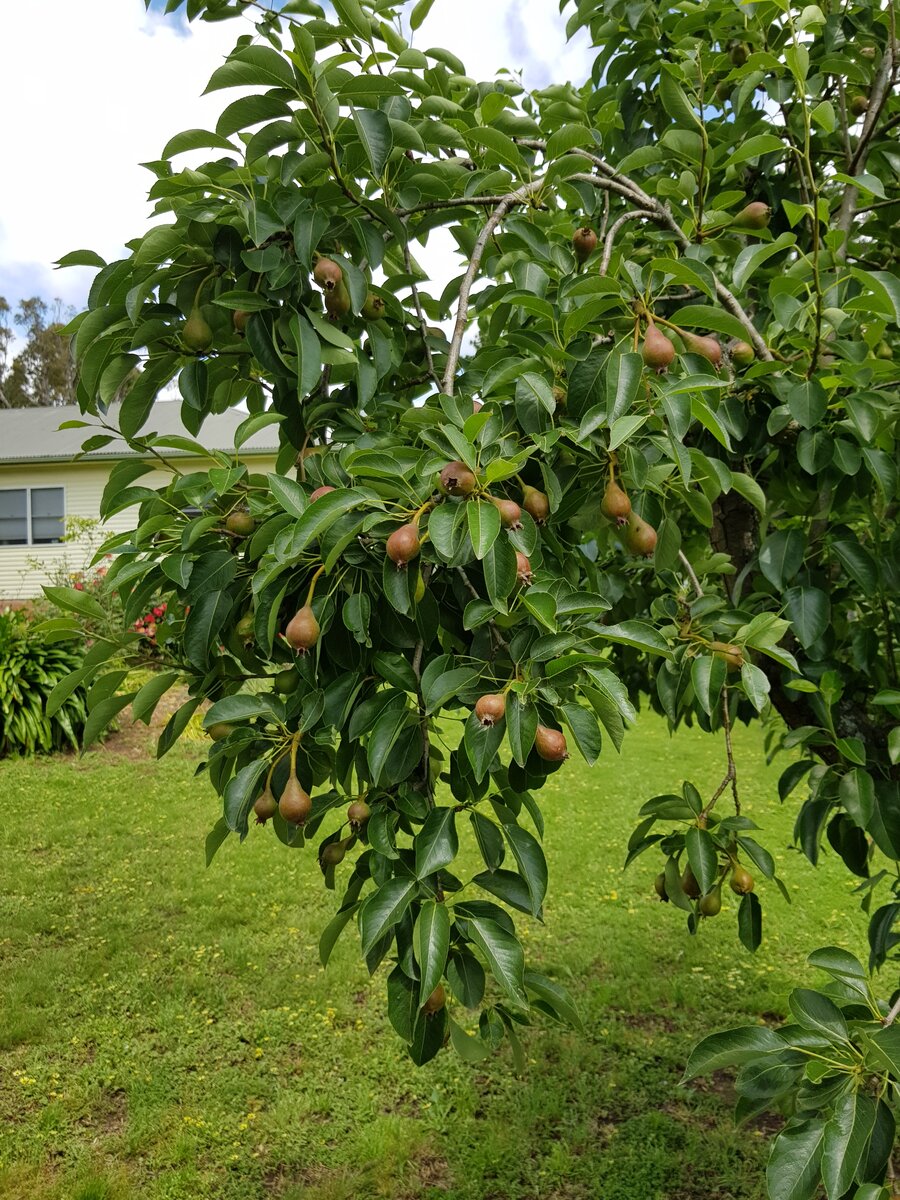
(747, 487)
(752, 257)
(555, 998)
(635, 633)
(437, 842)
(624, 374)
(781, 556)
(243, 707)
(533, 391)
(465, 975)
(384, 736)
(731, 1048)
(206, 618)
(816, 1012)
(675, 102)
(215, 839)
(484, 526)
(532, 864)
(846, 1137)
(147, 698)
(708, 673)
(319, 517)
(101, 715)
(521, 726)
(500, 572)
(707, 317)
(470, 1049)
(419, 13)
(585, 730)
(253, 425)
(333, 930)
(856, 792)
(807, 402)
(289, 494)
(240, 793)
(756, 685)
(843, 966)
(352, 15)
(375, 133)
(431, 941)
(794, 1164)
(809, 610)
(504, 955)
(251, 66)
(702, 856)
(74, 600)
(886, 1043)
(750, 922)
(383, 909)
(80, 258)
(886, 287)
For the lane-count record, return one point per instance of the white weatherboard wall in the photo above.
(84, 482)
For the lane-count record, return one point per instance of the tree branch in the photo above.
(634, 215)
(881, 90)
(661, 214)
(462, 309)
(451, 202)
(691, 574)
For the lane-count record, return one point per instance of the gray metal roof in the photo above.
(34, 434)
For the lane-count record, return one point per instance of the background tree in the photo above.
(667, 469)
(43, 372)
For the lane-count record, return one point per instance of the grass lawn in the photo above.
(166, 1032)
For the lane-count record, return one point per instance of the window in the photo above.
(32, 516)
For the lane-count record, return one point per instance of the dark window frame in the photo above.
(29, 521)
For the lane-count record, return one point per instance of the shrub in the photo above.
(31, 665)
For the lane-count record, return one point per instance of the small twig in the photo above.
(893, 1014)
(634, 215)
(423, 328)
(685, 562)
(605, 221)
(450, 202)
(730, 774)
(499, 639)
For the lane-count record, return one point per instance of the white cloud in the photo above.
(116, 83)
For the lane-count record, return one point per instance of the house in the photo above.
(45, 491)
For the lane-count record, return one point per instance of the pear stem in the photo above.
(312, 586)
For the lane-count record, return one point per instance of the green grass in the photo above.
(167, 1031)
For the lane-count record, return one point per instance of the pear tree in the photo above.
(639, 446)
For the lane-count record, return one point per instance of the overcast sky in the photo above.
(92, 88)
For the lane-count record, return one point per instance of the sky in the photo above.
(112, 83)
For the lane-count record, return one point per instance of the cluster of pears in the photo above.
(456, 479)
(658, 351)
(710, 905)
(638, 535)
(330, 278)
(294, 805)
(550, 743)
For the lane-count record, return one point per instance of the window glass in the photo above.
(13, 517)
(47, 515)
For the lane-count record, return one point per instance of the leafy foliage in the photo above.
(33, 665)
(603, 500)
(834, 1071)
